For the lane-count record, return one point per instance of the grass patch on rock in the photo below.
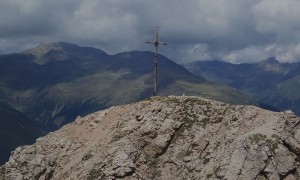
(153, 163)
(271, 142)
(96, 174)
(255, 138)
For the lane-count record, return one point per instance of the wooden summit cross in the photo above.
(156, 44)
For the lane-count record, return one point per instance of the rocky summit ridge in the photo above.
(166, 138)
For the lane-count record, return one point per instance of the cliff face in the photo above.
(166, 138)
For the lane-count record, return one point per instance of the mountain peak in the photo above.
(272, 65)
(46, 52)
(271, 60)
(44, 48)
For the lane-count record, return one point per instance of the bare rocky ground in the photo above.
(166, 138)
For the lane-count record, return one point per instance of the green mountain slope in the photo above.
(15, 129)
(268, 81)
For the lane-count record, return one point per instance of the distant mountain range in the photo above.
(271, 82)
(54, 83)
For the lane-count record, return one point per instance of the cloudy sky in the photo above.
(231, 30)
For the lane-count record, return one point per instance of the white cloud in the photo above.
(235, 30)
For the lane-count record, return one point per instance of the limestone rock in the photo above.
(166, 138)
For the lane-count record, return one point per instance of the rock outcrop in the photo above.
(166, 138)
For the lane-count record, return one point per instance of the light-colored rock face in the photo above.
(166, 138)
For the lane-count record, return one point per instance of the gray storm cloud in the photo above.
(232, 30)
